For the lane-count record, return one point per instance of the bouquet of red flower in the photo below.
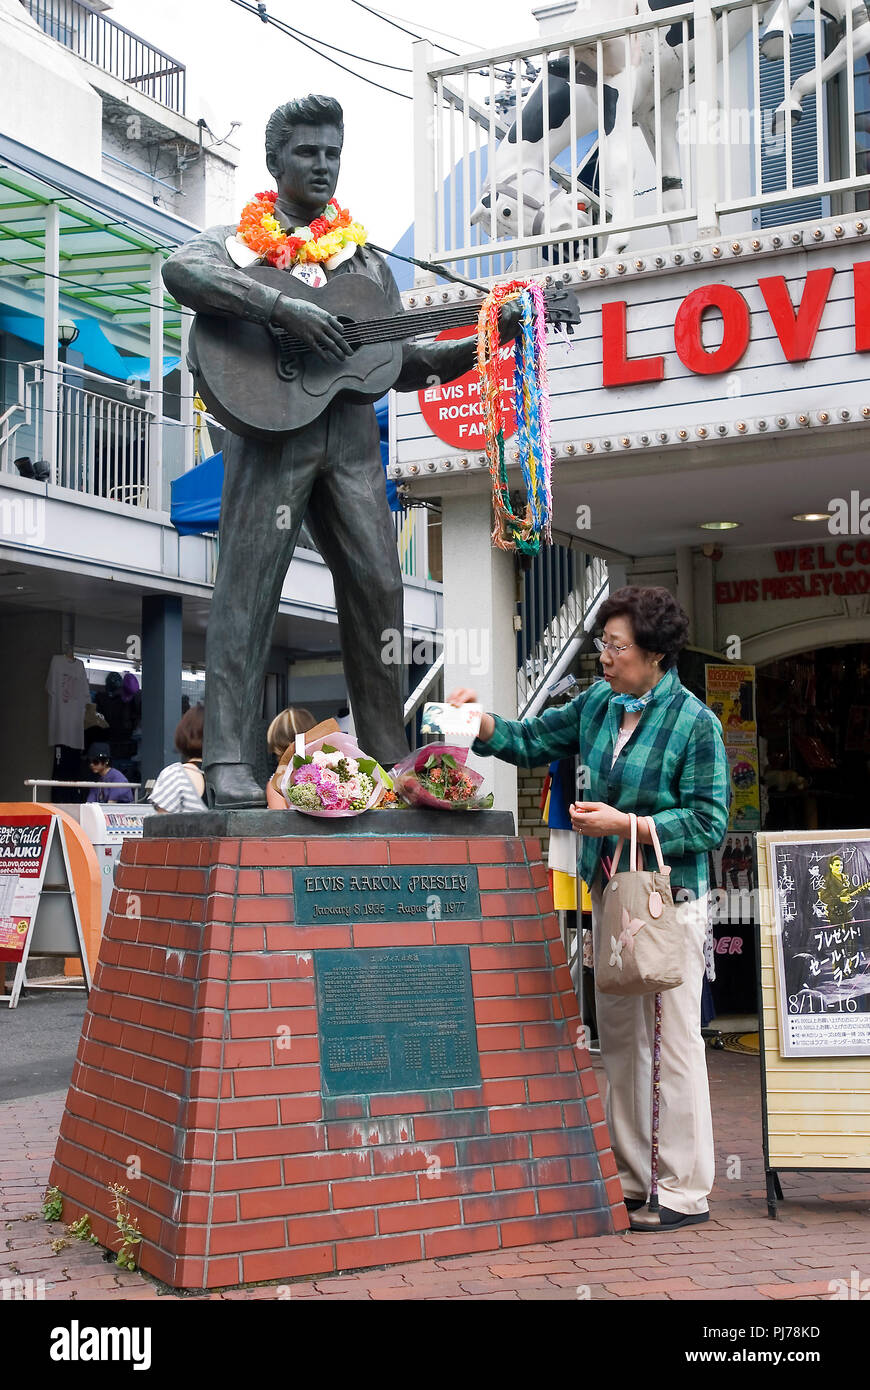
(436, 776)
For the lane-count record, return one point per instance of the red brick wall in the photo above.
(248, 1172)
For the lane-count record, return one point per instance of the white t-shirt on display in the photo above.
(68, 693)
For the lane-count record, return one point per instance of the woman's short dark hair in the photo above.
(188, 734)
(311, 110)
(657, 620)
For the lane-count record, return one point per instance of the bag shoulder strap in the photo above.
(635, 856)
(654, 836)
(633, 849)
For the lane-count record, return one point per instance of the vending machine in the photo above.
(107, 827)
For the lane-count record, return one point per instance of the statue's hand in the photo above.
(320, 330)
(509, 316)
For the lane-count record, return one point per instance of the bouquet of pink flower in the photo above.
(436, 776)
(332, 778)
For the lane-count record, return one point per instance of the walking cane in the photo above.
(657, 1076)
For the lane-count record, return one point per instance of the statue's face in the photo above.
(308, 166)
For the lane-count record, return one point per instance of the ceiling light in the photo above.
(812, 516)
(719, 525)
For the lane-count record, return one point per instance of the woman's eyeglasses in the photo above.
(611, 647)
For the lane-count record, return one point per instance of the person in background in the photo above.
(99, 758)
(180, 786)
(648, 746)
(281, 733)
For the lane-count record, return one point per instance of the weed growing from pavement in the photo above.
(127, 1225)
(52, 1204)
(81, 1229)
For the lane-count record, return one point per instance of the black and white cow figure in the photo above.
(517, 206)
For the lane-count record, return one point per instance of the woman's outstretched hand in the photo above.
(463, 696)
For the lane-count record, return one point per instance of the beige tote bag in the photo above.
(641, 941)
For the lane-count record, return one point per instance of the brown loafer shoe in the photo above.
(665, 1219)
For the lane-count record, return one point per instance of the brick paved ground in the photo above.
(823, 1232)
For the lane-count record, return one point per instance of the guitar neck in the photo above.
(397, 327)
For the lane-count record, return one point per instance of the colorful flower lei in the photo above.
(323, 238)
(532, 408)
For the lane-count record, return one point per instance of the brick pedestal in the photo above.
(199, 1061)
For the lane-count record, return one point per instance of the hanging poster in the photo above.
(821, 904)
(730, 694)
(23, 841)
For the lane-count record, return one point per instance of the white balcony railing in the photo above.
(103, 441)
(712, 115)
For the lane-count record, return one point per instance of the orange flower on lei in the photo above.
(323, 238)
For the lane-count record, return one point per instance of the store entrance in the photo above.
(813, 719)
(814, 739)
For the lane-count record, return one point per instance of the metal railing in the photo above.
(36, 782)
(560, 589)
(103, 446)
(113, 48)
(662, 125)
(103, 441)
(430, 687)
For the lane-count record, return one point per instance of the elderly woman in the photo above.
(647, 745)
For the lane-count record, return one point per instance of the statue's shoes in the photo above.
(233, 787)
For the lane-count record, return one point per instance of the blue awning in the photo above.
(196, 498)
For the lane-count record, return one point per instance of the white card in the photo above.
(460, 722)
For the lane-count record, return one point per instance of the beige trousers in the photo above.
(626, 1030)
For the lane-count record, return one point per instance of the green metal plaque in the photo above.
(406, 893)
(396, 1019)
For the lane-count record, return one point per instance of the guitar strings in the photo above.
(387, 330)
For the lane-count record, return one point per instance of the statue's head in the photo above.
(303, 150)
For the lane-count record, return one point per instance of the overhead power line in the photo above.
(260, 12)
(440, 33)
(378, 15)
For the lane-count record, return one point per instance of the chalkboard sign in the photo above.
(821, 907)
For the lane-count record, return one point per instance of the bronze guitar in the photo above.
(262, 382)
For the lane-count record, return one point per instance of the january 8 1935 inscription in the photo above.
(396, 1019)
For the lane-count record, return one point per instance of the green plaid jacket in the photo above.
(673, 768)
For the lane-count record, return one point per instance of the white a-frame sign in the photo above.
(38, 908)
